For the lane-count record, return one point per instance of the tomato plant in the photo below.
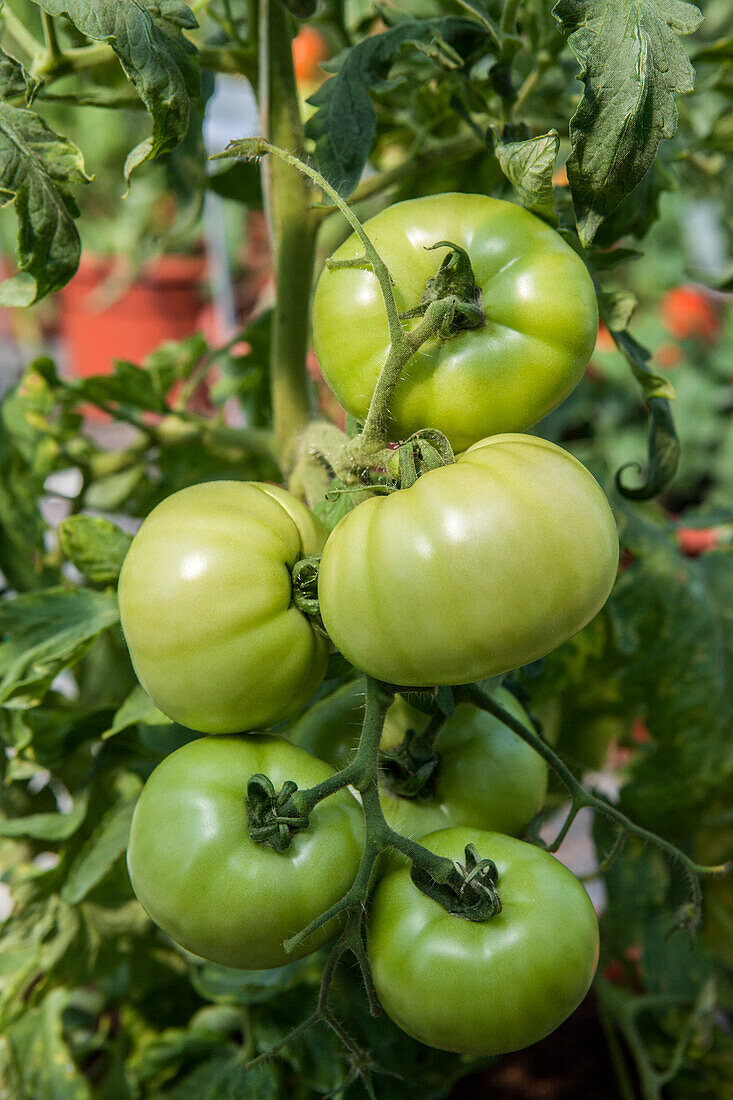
(500, 557)
(539, 332)
(205, 604)
(484, 987)
(401, 583)
(205, 881)
(485, 776)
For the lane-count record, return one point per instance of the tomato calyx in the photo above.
(305, 590)
(273, 818)
(425, 450)
(408, 769)
(471, 890)
(454, 280)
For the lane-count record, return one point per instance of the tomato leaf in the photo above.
(99, 853)
(632, 65)
(95, 546)
(138, 707)
(157, 59)
(344, 124)
(15, 80)
(36, 168)
(46, 632)
(51, 827)
(528, 165)
(41, 1053)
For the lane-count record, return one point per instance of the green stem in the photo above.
(374, 435)
(531, 81)
(294, 226)
(254, 147)
(472, 693)
(18, 30)
(508, 24)
(55, 52)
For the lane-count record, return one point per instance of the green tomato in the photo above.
(480, 567)
(206, 606)
(540, 331)
(487, 776)
(483, 987)
(585, 737)
(215, 891)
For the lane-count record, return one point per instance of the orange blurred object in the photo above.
(309, 49)
(693, 541)
(163, 303)
(691, 313)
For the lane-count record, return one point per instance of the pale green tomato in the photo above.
(540, 331)
(482, 566)
(206, 606)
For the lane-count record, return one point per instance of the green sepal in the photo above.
(272, 816)
(471, 891)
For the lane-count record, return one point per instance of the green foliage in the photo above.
(632, 65)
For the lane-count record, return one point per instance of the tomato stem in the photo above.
(582, 798)
(288, 200)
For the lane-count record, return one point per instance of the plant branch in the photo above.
(581, 797)
(293, 228)
(55, 52)
(18, 30)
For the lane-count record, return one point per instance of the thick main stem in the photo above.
(293, 232)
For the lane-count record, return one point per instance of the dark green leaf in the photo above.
(51, 827)
(663, 454)
(344, 124)
(157, 59)
(301, 9)
(528, 165)
(95, 546)
(36, 168)
(138, 707)
(240, 182)
(46, 1067)
(45, 632)
(632, 64)
(227, 1079)
(15, 81)
(99, 853)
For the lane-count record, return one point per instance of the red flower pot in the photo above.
(163, 303)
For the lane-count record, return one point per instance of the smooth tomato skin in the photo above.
(480, 567)
(487, 776)
(205, 604)
(542, 319)
(483, 987)
(218, 893)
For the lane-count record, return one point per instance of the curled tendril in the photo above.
(664, 455)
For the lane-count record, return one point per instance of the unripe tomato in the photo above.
(486, 776)
(483, 987)
(206, 606)
(541, 319)
(482, 566)
(215, 891)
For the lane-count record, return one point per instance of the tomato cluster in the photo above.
(476, 567)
